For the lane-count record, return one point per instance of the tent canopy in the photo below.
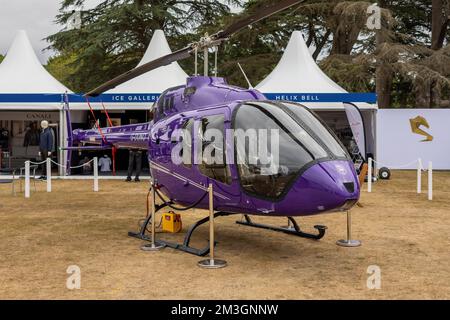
(297, 77)
(24, 82)
(21, 71)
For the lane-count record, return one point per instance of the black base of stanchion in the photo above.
(212, 263)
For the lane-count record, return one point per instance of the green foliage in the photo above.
(115, 34)
(64, 68)
(1, 58)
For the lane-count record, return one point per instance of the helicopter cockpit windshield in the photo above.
(277, 141)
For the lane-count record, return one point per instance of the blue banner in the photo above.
(323, 97)
(118, 98)
(144, 98)
(31, 98)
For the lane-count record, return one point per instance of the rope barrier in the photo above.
(72, 167)
(419, 169)
(49, 161)
(396, 166)
(38, 163)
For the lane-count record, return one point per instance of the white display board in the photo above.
(398, 145)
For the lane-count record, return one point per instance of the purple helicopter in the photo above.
(313, 173)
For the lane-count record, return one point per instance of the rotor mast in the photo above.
(205, 43)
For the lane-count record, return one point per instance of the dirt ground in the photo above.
(401, 232)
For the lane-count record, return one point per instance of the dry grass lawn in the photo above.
(402, 233)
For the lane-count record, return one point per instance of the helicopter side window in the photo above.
(168, 104)
(211, 134)
(160, 105)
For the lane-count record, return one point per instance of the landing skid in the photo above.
(187, 238)
(185, 246)
(294, 230)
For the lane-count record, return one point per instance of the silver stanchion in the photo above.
(152, 246)
(211, 263)
(27, 179)
(349, 242)
(95, 174)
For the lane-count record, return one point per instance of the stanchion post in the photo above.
(211, 263)
(27, 179)
(95, 174)
(49, 174)
(369, 175)
(419, 175)
(153, 246)
(430, 180)
(349, 242)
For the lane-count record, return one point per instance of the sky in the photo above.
(36, 17)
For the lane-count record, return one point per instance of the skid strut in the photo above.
(185, 246)
(141, 234)
(296, 231)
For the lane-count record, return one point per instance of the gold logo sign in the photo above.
(415, 127)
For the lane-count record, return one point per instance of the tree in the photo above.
(64, 68)
(114, 35)
(1, 58)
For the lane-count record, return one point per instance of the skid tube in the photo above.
(185, 246)
(296, 231)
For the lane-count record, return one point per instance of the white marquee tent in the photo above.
(28, 93)
(298, 78)
(21, 73)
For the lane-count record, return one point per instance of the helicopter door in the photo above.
(210, 146)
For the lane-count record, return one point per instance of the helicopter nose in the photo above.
(329, 186)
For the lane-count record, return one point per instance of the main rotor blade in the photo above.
(257, 16)
(124, 77)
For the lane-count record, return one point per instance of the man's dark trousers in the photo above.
(44, 156)
(135, 155)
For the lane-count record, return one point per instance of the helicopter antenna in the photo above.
(205, 55)
(245, 76)
(196, 60)
(216, 50)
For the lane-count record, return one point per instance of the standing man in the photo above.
(134, 155)
(45, 146)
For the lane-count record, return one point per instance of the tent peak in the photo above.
(21, 71)
(157, 80)
(297, 72)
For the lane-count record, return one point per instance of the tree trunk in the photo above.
(383, 86)
(383, 74)
(344, 39)
(321, 44)
(439, 24)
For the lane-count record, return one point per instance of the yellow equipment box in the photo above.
(171, 222)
